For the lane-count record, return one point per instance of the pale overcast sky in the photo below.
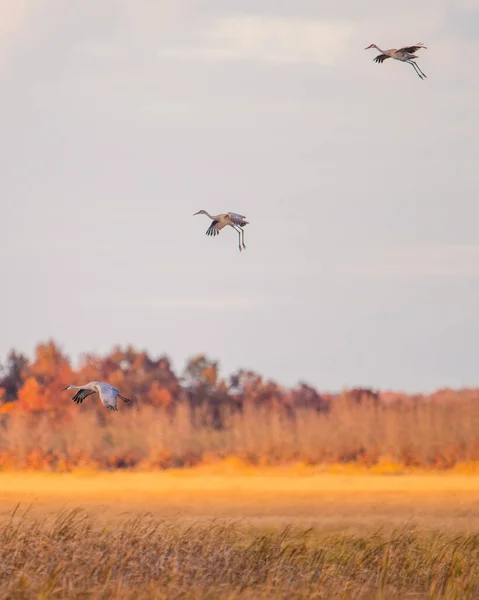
(121, 118)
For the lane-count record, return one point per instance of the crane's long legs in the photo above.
(242, 238)
(420, 70)
(419, 73)
(413, 65)
(239, 236)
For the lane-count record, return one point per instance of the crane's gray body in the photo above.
(108, 393)
(234, 220)
(405, 54)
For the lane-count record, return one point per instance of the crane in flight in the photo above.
(405, 54)
(237, 222)
(108, 394)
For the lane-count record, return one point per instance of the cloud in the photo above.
(151, 19)
(15, 16)
(413, 262)
(216, 304)
(264, 39)
(466, 5)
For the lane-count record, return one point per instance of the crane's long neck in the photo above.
(87, 386)
(210, 216)
(378, 48)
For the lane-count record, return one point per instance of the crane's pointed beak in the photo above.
(196, 213)
(65, 388)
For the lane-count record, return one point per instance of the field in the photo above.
(234, 532)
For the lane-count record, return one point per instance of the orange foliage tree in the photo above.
(175, 420)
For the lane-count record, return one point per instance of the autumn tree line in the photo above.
(196, 417)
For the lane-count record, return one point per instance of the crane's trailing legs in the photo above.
(108, 393)
(234, 220)
(405, 54)
(240, 236)
(418, 70)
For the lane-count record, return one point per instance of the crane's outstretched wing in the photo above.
(214, 228)
(237, 219)
(380, 58)
(81, 395)
(412, 49)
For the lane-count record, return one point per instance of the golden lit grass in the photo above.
(243, 479)
(228, 531)
(302, 496)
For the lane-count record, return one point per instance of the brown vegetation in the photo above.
(199, 418)
(270, 532)
(77, 557)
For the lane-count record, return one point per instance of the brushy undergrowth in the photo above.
(75, 556)
(368, 433)
(198, 418)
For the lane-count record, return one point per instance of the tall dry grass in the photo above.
(438, 433)
(77, 557)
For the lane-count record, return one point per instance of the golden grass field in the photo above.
(237, 532)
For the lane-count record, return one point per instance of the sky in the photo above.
(122, 118)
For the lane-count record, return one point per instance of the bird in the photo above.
(237, 222)
(405, 54)
(108, 393)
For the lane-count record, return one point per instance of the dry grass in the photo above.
(301, 495)
(432, 434)
(143, 557)
(246, 533)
